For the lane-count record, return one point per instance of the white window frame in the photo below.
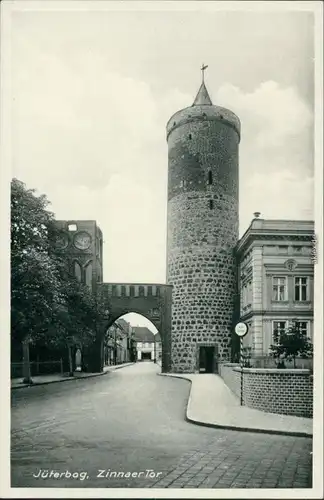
(285, 288)
(300, 288)
(307, 326)
(285, 321)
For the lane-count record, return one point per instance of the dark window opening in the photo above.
(174, 123)
(132, 291)
(210, 177)
(211, 204)
(123, 291)
(190, 136)
(221, 117)
(141, 291)
(149, 290)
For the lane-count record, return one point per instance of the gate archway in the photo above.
(153, 301)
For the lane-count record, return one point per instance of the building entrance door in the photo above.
(206, 359)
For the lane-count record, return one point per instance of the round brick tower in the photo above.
(203, 142)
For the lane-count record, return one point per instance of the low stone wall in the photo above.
(287, 392)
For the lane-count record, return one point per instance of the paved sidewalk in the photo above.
(211, 403)
(16, 383)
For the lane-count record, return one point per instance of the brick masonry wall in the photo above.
(286, 392)
(201, 237)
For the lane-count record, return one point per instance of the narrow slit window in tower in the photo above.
(211, 204)
(210, 177)
(190, 136)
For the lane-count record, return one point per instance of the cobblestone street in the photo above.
(131, 421)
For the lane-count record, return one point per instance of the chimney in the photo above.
(257, 215)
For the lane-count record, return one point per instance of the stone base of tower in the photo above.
(198, 357)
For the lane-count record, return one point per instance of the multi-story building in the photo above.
(276, 275)
(148, 345)
(80, 243)
(118, 346)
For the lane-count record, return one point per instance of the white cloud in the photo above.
(281, 195)
(93, 139)
(276, 167)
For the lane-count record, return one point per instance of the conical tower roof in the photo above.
(202, 98)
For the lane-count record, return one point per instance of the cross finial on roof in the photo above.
(203, 69)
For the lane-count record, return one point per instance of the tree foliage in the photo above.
(48, 305)
(35, 284)
(289, 344)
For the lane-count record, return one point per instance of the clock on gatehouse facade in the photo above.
(80, 243)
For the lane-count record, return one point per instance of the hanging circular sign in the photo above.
(241, 329)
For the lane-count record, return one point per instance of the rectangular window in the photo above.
(279, 288)
(303, 327)
(278, 327)
(301, 289)
(244, 296)
(250, 292)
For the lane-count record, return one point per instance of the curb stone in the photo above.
(232, 427)
(91, 375)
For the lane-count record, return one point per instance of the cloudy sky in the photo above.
(92, 92)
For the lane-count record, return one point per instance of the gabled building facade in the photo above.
(148, 345)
